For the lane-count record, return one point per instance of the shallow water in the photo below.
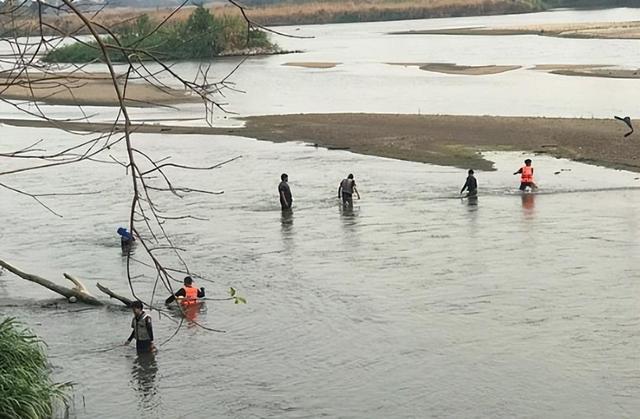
(414, 304)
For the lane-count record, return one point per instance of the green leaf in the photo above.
(232, 291)
(240, 300)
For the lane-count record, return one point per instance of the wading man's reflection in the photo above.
(143, 373)
(528, 203)
(286, 221)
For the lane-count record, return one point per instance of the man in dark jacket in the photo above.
(471, 185)
(286, 200)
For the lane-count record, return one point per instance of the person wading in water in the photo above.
(188, 294)
(286, 200)
(142, 329)
(471, 185)
(526, 176)
(346, 190)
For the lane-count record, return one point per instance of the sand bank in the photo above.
(449, 68)
(439, 139)
(601, 30)
(85, 89)
(593, 70)
(320, 65)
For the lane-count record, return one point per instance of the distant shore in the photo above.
(596, 30)
(438, 139)
(306, 13)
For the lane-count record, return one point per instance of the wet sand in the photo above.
(600, 30)
(578, 70)
(86, 90)
(467, 70)
(590, 71)
(438, 139)
(318, 65)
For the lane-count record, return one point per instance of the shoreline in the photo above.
(629, 30)
(445, 140)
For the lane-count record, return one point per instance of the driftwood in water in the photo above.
(124, 300)
(79, 292)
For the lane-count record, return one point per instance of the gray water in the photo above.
(415, 304)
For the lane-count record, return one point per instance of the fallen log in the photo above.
(79, 291)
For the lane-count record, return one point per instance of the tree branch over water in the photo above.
(24, 73)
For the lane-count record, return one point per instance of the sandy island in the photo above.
(309, 64)
(591, 70)
(86, 89)
(467, 70)
(444, 140)
(580, 70)
(601, 30)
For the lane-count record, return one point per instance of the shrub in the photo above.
(202, 36)
(26, 389)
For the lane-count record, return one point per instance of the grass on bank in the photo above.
(26, 389)
(202, 36)
(344, 11)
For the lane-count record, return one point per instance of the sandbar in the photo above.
(439, 139)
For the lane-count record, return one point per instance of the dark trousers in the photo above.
(525, 185)
(285, 206)
(347, 199)
(143, 346)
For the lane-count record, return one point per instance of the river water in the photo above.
(415, 304)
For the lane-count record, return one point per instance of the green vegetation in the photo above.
(26, 390)
(201, 36)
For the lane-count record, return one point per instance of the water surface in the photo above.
(414, 304)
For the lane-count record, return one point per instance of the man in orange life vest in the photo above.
(526, 176)
(187, 295)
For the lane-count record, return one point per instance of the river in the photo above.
(415, 304)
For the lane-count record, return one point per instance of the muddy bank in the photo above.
(576, 70)
(590, 71)
(86, 90)
(310, 64)
(602, 30)
(438, 139)
(466, 70)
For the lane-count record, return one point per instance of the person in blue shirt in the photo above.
(126, 238)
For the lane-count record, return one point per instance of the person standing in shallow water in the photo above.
(346, 190)
(526, 176)
(286, 200)
(142, 329)
(471, 185)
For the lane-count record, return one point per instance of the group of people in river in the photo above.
(190, 295)
(347, 187)
(142, 330)
(346, 190)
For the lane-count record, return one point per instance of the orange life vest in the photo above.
(527, 174)
(190, 295)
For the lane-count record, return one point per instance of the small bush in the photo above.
(202, 36)
(26, 389)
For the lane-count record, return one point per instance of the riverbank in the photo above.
(438, 139)
(596, 30)
(305, 13)
(87, 90)
(332, 11)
